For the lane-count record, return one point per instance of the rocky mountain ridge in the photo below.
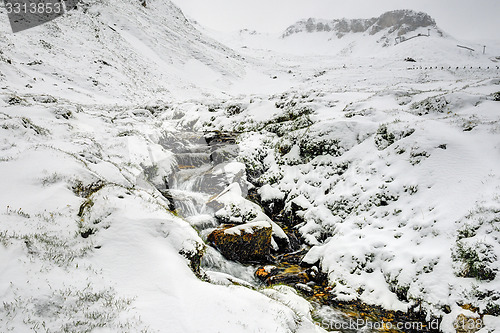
(397, 22)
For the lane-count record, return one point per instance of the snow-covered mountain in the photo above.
(394, 23)
(388, 29)
(394, 34)
(362, 36)
(117, 49)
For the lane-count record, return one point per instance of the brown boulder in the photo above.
(284, 273)
(250, 242)
(465, 324)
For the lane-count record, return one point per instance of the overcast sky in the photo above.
(464, 19)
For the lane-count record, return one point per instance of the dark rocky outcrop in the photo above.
(290, 270)
(248, 243)
(398, 21)
(289, 275)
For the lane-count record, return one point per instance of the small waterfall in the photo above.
(214, 262)
(191, 187)
(192, 159)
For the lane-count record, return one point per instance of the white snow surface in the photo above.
(247, 228)
(392, 168)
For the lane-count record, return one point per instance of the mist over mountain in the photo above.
(362, 37)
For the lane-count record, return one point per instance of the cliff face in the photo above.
(399, 22)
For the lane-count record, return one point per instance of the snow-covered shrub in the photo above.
(46, 99)
(496, 96)
(434, 104)
(254, 164)
(476, 259)
(344, 205)
(477, 245)
(194, 253)
(382, 198)
(16, 100)
(29, 124)
(234, 109)
(284, 127)
(417, 155)
(63, 113)
(386, 136)
(311, 147)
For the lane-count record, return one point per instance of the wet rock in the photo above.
(289, 275)
(293, 216)
(465, 324)
(211, 183)
(294, 241)
(194, 256)
(374, 318)
(217, 137)
(245, 243)
(289, 271)
(304, 288)
(214, 204)
(293, 258)
(224, 154)
(190, 160)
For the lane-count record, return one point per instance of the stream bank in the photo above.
(259, 249)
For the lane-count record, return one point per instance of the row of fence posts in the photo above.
(451, 67)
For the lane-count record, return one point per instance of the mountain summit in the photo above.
(395, 23)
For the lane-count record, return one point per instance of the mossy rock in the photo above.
(465, 324)
(283, 274)
(246, 243)
(290, 270)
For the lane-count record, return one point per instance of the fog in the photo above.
(463, 19)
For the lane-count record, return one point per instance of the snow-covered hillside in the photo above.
(114, 50)
(386, 170)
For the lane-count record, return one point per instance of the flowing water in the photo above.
(201, 158)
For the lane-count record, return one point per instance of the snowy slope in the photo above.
(115, 50)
